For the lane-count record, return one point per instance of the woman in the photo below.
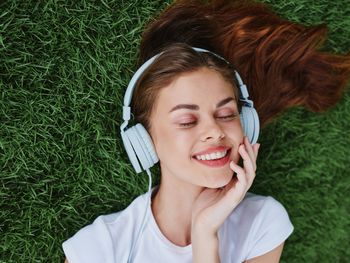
(201, 211)
(189, 104)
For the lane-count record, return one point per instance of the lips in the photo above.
(216, 163)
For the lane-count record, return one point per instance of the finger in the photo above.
(240, 181)
(236, 168)
(249, 165)
(256, 148)
(250, 149)
(243, 178)
(238, 185)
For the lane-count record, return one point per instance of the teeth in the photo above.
(212, 156)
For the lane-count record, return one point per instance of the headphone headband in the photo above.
(130, 89)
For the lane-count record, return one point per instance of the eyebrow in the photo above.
(196, 107)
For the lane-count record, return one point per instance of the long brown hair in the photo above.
(280, 61)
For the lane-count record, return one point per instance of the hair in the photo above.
(176, 59)
(280, 61)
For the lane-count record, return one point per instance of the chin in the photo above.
(220, 182)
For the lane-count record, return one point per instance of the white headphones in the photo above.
(138, 142)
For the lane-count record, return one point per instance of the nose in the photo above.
(212, 131)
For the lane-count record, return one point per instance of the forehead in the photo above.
(203, 86)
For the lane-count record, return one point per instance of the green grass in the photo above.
(64, 66)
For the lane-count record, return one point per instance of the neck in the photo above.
(172, 209)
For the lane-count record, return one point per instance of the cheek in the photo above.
(171, 143)
(234, 131)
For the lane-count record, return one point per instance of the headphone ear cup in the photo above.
(250, 123)
(256, 125)
(241, 116)
(139, 147)
(147, 144)
(128, 145)
(244, 121)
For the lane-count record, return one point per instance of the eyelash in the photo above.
(232, 116)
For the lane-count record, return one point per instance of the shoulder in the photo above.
(98, 241)
(259, 224)
(256, 208)
(271, 226)
(261, 206)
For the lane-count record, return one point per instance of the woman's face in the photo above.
(196, 117)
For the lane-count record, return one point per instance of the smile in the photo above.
(211, 156)
(216, 159)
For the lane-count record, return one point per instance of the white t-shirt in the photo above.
(256, 226)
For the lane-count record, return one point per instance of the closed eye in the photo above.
(228, 117)
(187, 124)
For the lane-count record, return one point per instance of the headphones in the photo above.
(138, 142)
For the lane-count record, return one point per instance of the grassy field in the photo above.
(64, 67)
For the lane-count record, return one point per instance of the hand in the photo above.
(212, 206)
